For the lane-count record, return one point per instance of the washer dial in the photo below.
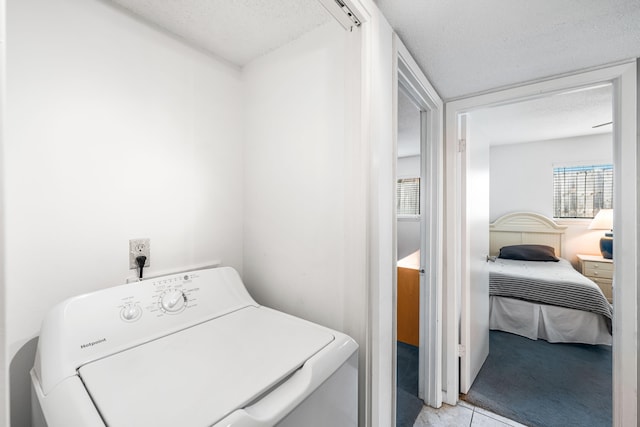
(130, 312)
(173, 301)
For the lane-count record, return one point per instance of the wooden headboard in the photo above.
(525, 228)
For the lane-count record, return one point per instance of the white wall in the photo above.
(294, 216)
(3, 371)
(114, 131)
(522, 180)
(408, 231)
(305, 241)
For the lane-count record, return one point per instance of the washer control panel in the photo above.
(88, 327)
(169, 296)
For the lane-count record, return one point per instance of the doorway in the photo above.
(458, 293)
(418, 234)
(409, 210)
(550, 156)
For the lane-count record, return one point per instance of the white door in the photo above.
(474, 328)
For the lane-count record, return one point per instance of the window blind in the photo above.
(581, 191)
(408, 197)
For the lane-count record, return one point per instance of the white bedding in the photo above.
(560, 271)
(551, 271)
(547, 322)
(548, 300)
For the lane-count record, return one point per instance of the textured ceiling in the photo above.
(466, 47)
(563, 115)
(463, 46)
(236, 30)
(552, 117)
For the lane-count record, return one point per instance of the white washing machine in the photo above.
(190, 349)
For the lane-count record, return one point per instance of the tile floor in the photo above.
(461, 415)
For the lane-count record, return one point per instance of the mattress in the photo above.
(548, 283)
(548, 300)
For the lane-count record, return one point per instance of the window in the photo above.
(408, 197)
(581, 191)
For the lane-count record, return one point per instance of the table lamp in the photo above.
(604, 221)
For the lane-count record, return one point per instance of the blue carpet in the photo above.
(408, 404)
(545, 385)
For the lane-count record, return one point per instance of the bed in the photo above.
(542, 300)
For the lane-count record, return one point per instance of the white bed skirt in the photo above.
(547, 322)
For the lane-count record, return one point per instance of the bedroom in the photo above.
(546, 142)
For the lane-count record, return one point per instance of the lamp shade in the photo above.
(603, 220)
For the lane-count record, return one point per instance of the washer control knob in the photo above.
(131, 312)
(173, 301)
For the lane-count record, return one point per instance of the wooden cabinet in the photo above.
(600, 270)
(408, 308)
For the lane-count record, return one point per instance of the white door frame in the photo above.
(370, 267)
(369, 104)
(625, 135)
(415, 84)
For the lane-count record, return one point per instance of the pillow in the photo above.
(528, 253)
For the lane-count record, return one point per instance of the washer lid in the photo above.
(199, 375)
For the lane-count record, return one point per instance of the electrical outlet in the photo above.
(139, 247)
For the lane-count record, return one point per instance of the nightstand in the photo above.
(600, 270)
